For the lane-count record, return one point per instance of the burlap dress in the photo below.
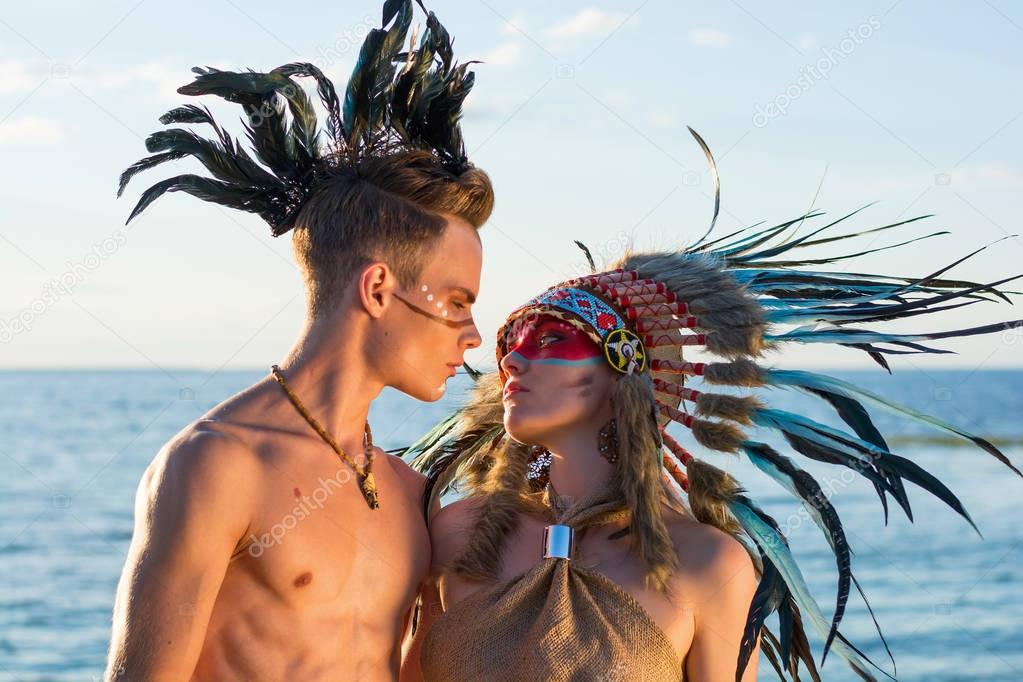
(557, 621)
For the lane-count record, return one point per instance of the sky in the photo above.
(579, 115)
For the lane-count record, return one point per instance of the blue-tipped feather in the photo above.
(806, 489)
(857, 337)
(770, 594)
(786, 245)
(831, 388)
(773, 545)
(866, 457)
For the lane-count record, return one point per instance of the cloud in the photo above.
(588, 22)
(505, 54)
(662, 118)
(709, 37)
(491, 106)
(994, 175)
(617, 98)
(18, 76)
(30, 130)
(162, 78)
(515, 25)
(807, 41)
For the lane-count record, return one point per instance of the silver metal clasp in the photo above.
(558, 542)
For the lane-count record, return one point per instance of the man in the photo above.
(272, 539)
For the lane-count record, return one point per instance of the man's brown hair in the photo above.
(387, 208)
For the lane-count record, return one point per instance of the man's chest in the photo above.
(314, 540)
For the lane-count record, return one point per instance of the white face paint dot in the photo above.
(440, 304)
(426, 288)
(444, 314)
(429, 297)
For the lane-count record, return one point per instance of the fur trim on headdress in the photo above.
(710, 491)
(733, 320)
(503, 500)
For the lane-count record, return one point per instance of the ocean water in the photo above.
(74, 444)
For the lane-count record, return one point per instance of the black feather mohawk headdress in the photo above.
(396, 100)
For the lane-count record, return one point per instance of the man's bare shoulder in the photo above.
(204, 457)
(236, 431)
(413, 480)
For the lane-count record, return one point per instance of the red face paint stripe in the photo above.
(571, 343)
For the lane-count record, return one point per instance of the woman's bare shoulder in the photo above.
(705, 551)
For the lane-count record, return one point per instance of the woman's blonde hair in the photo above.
(735, 323)
(498, 475)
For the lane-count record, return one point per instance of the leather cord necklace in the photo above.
(364, 475)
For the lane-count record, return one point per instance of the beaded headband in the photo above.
(589, 312)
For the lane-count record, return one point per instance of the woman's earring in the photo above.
(607, 441)
(539, 471)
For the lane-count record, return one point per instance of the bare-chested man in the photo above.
(256, 554)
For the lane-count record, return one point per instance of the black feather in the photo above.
(809, 492)
(382, 113)
(765, 601)
(589, 256)
(206, 189)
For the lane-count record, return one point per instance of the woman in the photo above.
(677, 588)
(583, 551)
